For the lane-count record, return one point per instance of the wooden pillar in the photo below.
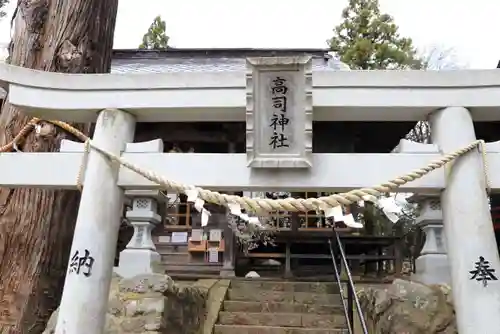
(380, 263)
(294, 217)
(229, 258)
(229, 253)
(398, 254)
(288, 268)
(295, 225)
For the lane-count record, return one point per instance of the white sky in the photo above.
(469, 27)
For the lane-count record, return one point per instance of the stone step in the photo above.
(176, 276)
(186, 275)
(283, 319)
(314, 287)
(245, 329)
(169, 247)
(276, 307)
(174, 257)
(193, 267)
(283, 296)
(180, 258)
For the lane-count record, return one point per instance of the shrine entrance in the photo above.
(298, 247)
(278, 98)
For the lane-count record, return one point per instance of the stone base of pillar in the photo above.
(432, 269)
(135, 262)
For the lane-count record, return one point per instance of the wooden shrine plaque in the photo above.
(213, 255)
(197, 235)
(179, 237)
(215, 235)
(164, 239)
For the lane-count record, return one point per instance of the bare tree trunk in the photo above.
(36, 226)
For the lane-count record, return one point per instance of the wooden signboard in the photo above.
(213, 255)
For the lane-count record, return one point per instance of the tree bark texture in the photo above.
(36, 226)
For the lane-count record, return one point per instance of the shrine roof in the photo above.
(210, 60)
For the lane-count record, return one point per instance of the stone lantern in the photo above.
(140, 256)
(432, 266)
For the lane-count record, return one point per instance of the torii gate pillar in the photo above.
(86, 289)
(468, 227)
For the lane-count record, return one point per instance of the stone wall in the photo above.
(407, 307)
(185, 309)
(153, 303)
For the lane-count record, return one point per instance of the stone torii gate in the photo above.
(270, 88)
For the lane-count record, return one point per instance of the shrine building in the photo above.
(300, 248)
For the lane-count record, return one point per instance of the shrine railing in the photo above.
(352, 298)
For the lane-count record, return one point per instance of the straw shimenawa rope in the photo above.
(263, 205)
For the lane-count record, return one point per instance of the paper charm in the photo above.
(234, 208)
(193, 197)
(335, 212)
(393, 217)
(254, 221)
(205, 215)
(350, 222)
(389, 208)
(198, 204)
(244, 217)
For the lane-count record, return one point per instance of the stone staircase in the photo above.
(264, 307)
(176, 253)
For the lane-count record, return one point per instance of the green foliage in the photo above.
(156, 37)
(369, 40)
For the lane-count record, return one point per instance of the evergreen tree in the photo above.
(156, 37)
(369, 40)
(36, 225)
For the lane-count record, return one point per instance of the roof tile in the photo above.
(211, 64)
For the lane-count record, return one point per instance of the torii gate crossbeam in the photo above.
(335, 96)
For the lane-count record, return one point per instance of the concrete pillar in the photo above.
(140, 256)
(468, 227)
(86, 288)
(432, 266)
